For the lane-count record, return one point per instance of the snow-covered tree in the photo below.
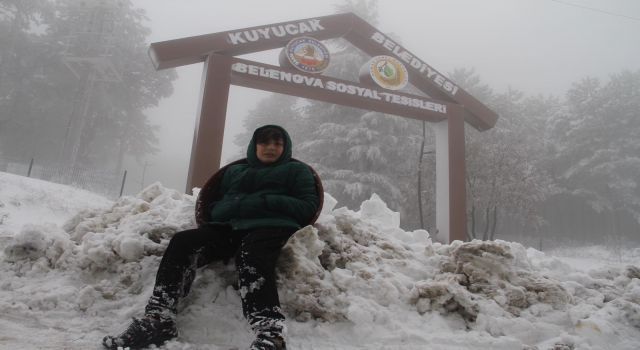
(46, 99)
(504, 181)
(595, 140)
(21, 80)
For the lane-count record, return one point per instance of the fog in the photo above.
(81, 104)
(538, 47)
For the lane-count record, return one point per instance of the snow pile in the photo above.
(26, 200)
(132, 228)
(100, 239)
(354, 280)
(39, 242)
(351, 270)
(347, 259)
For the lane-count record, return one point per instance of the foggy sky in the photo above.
(536, 46)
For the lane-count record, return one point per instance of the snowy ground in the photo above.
(75, 266)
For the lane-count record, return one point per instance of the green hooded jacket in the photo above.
(281, 194)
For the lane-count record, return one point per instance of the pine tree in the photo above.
(72, 114)
(595, 143)
(21, 74)
(505, 183)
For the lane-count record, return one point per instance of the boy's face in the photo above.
(269, 151)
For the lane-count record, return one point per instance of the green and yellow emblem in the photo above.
(388, 72)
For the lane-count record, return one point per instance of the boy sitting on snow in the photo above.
(263, 203)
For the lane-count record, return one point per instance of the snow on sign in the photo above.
(447, 105)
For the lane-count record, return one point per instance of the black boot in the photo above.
(142, 332)
(268, 341)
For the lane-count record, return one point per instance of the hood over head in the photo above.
(252, 157)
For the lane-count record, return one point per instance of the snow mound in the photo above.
(353, 275)
(132, 228)
(346, 259)
(27, 200)
(34, 242)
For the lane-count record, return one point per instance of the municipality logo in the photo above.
(388, 72)
(306, 54)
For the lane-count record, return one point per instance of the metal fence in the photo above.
(94, 180)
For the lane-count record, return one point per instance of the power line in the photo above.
(597, 10)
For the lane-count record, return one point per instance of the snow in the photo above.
(75, 267)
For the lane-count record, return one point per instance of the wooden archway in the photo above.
(448, 105)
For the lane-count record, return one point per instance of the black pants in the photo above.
(255, 252)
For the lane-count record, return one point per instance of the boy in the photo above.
(263, 203)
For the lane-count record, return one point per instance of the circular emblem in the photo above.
(388, 72)
(306, 54)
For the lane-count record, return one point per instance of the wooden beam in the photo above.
(343, 92)
(206, 150)
(195, 49)
(426, 78)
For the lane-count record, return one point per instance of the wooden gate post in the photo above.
(451, 211)
(206, 151)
